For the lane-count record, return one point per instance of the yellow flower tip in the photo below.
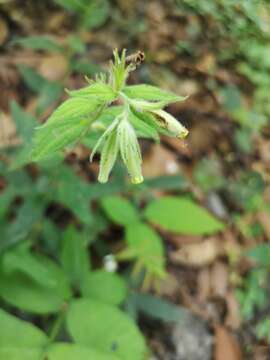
(137, 180)
(183, 134)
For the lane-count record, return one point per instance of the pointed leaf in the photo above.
(182, 215)
(151, 93)
(145, 245)
(74, 256)
(39, 42)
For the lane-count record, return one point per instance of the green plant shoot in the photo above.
(132, 110)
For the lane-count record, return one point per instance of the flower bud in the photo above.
(108, 156)
(130, 150)
(169, 123)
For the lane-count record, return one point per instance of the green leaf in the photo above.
(63, 351)
(88, 321)
(32, 79)
(50, 140)
(49, 94)
(19, 334)
(92, 13)
(13, 353)
(260, 254)
(263, 329)
(182, 215)
(151, 93)
(39, 42)
(99, 90)
(25, 122)
(96, 13)
(157, 308)
(104, 286)
(74, 193)
(119, 210)
(21, 291)
(28, 215)
(146, 246)
(83, 66)
(74, 256)
(65, 126)
(30, 265)
(72, 110)
(166, 182)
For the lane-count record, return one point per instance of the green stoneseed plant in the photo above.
(115, 112)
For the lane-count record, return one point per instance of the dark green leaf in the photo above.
(39, 42)
(157, 308)
(23, 292)
(32, 79)
(75, 193)
(74, 256)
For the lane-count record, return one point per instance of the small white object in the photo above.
(110, 264)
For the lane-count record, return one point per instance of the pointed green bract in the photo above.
(108, 157)
(130, 150)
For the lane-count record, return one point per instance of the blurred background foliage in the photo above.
(194, 237)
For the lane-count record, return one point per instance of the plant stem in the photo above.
(57, 324)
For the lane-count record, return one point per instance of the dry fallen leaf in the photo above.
(233, 319)
(3, 31)
(7, 131)
(264, 219)
(169, 286)
(159, 161)
(204, 284)
(226, 346)
(198, 254)
(219, 279)
(54, 67)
